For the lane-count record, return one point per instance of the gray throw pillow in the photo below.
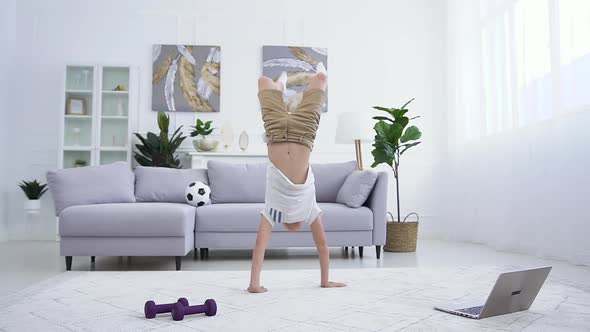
(111, 183)
(329, 179)
(356, 188)
(237, 182)
(162, 184)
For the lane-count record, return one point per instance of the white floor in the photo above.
(24, 263)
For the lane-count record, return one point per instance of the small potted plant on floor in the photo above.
(203, 129)
(393, 138)
(33, 190)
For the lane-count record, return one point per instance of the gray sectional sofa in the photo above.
(111, 211)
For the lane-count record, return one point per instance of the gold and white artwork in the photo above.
(186, 78)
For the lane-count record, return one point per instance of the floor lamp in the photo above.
(357, 128)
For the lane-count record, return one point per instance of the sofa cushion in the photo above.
(127, 219)
(356, 188)
(329, 178)
(242, 217)
(113, 183)
(162, 184)
(236, 182)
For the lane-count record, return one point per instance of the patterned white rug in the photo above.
(382, 299)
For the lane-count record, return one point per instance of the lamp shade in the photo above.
(355, 125)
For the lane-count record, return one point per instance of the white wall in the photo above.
(7, 39)
(380, 53)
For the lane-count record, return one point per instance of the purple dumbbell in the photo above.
(151, 308)
(209, 309)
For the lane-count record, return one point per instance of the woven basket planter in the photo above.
(401, 236)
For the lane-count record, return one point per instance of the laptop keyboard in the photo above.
(472, 311)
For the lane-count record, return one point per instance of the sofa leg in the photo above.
(361, 251)
(378, 251)
(92, 259)
(68, 263)
(195, 255)
(178, 262)
(345, 249)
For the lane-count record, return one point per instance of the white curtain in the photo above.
(519, 126)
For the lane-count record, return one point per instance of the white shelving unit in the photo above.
(102, 134)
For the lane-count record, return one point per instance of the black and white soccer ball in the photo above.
(197, 194)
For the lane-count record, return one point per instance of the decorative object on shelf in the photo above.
(392, 140)
(299, 62)
(401, 236)
(158, 151)
(76, 136)
(120, 107)
(33, 190)
(80, 163)
(357, 128)
(198, 69)
(205, 143)
(75, 106)
(120, 87)
(227, 134)
(243, 140)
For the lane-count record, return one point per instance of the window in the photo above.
(535, 60)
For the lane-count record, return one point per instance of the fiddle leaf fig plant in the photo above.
(202, 128)
(158, 151)
(393, 138)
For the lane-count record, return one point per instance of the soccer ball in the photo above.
(197, 194)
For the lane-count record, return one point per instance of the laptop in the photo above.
(513, 291)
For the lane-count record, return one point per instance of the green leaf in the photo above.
(381, 108)
(381, 157)
(381, 128)
(402, 120)
(398, 113)
(383, 118)
(407, 146)
(411, 134)
(395, 132)
(406, 104)
(199, 123)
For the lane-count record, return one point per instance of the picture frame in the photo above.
(75, 106)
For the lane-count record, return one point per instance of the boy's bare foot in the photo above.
(259, 289)
(331, 284)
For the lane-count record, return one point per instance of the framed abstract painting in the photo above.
(186, 78)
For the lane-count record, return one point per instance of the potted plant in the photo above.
(203, 129)
(158, 150)
(393, 138)
(33, 190)
(80, 163)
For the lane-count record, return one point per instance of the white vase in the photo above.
(33, 206)
(243, 140)
(227, 134)
(120, 110)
